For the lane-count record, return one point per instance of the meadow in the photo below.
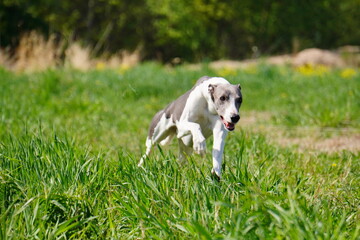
(70, 142)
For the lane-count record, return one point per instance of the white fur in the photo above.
(198, 121)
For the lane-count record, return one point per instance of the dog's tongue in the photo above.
(228, 125)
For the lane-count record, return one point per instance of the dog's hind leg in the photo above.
(162, 137)
(161, 131)
(149, 145)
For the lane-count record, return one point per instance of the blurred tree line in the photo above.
(190, 29)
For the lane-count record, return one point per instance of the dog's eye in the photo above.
(222, 98)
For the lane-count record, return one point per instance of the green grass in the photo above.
(70, 141)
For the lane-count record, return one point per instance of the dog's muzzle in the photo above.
(230, 126)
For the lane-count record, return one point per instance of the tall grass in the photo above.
(36, 53)
(70, 141)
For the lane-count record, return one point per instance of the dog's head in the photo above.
(227, 99)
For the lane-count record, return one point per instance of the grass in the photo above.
(70, 141)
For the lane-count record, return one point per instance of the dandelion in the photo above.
(334, 165)
(313, 70)
(305, 70)
(100, 66)
(348, 73)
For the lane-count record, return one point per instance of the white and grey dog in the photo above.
(211, 107)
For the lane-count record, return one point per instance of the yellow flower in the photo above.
(313, 70)
(348, 73)
(100, 66)
(334, 165)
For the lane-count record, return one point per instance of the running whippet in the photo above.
(211, 107)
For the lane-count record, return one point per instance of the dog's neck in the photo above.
(207, 96)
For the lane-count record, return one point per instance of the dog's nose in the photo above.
(235, 118)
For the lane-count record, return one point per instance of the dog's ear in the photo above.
(211, 88)
(239, 86)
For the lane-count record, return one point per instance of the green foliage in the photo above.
(192, 30)
(70, 141)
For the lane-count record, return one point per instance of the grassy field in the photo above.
(70, 141)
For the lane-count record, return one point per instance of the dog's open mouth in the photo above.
(229, 126)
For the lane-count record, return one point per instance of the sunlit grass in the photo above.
(70, 141)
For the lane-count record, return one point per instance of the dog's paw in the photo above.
(200, 146)
(214, 176)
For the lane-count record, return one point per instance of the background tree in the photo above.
(193, 30)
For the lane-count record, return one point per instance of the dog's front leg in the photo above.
(185, 128)
(218, 148)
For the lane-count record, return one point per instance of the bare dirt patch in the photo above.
(303, 138)
(341, 57)
(333, 144)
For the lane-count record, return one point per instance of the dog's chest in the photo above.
(206, 123)
(197, 111)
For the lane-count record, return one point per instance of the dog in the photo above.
(211, 107)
